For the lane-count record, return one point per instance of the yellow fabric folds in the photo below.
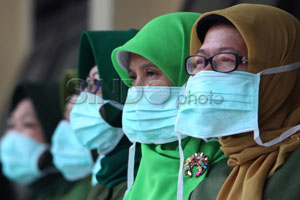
(273, 39)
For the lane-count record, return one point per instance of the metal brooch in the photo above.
(197, 159)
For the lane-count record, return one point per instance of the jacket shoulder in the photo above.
(285, 182)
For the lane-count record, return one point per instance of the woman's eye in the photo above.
(192, 66)
(199, 62)
(151, 73)
(226, 58)
(29, 125)
(132, 76)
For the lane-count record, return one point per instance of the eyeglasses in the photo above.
(220, 62)
(92, 85)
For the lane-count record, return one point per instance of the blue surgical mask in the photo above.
(90, 129)
(72, 159)
(149, 114)
(20, 156)
(223, 104)
(149, 117)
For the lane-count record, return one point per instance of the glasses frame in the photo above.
(238, 60)
(87, 84)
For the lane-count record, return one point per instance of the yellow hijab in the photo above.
(273, 39)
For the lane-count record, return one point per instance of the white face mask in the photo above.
(72, 159)
(19, 156)
(149, 117)
(91, 130)
(149, 114)
(223, 104)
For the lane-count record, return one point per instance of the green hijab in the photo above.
(165, 42)
(160, 41)
(95, 49)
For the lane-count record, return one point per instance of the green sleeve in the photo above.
(101, 192)
(79, 191)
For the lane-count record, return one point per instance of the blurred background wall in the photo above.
(15, 44)
(39, 38)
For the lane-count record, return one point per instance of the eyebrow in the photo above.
(220, 49)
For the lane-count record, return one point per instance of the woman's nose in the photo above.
(208, 67)
(138, 82)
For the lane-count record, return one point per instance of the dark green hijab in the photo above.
(45, 99)
(95, 49)
(165, 42)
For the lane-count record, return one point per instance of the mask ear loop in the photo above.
(130, 169)
(181, 155)
(116, 104)
(180, 176)
(290, 131)
(282, 137)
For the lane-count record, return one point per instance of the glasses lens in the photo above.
(93, 86)
(195, 64)
(224, 62)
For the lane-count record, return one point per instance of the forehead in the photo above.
(25, 106)
(224, 30)
(224, 35)
(138, 63)
(93, 71)
(137, 60)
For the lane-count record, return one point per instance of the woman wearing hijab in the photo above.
(25, 146)
(153, 64)
(96, 115)
(74, 161)
(252, 61)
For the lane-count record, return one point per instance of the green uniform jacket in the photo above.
(101, 192)
(55, 187)
(283, 184)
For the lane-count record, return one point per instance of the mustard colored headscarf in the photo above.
(273, 39)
